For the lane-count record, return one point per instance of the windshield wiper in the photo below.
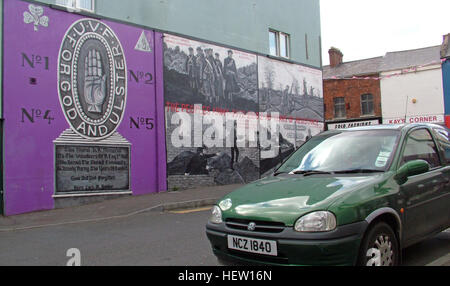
(310, 172)
(358, 171)
(278, 173)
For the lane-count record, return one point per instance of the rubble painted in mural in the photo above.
(295, 92)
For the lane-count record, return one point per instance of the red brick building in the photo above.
(351, 91)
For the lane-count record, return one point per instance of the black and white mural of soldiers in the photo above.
(231, 77)
(212, 75)
(206, 75)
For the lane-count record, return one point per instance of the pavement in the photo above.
(129, 206)
(443, 261)
(117, 208)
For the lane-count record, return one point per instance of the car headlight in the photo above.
(225, 204)
(316, 222)
(216, 215)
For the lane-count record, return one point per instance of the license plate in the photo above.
(252, 245)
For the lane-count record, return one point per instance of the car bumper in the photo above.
(338, 247)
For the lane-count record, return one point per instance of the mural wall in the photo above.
(207, 88)
(207, 85)
(294, 92)
(99, 107)
(83, 107)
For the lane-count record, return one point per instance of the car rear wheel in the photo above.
(379, 247)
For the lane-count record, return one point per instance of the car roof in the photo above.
(376, 127)
(394, 127)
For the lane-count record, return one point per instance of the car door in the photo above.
(424, 211)
(1, 169)
(441, 134)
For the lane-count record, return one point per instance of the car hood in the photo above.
(287, 197)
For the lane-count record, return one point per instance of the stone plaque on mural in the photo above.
(86, 168)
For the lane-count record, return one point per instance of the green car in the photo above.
(347, 197)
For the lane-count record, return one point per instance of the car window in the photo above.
(442, 137)
(420, 145)
(340, 151)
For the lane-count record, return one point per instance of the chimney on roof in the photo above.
(445, 45)
(335, 57)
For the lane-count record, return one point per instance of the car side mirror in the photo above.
(411, 168)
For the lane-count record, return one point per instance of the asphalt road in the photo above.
(149, 239)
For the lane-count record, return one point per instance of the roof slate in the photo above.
(360, 67)
(411, 58)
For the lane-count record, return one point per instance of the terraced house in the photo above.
(399, 87)
(107, 98)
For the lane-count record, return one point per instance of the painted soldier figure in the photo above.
(208, 78)
(218, 84)
(234, 148)
(200, 63)
(218, 64)
(311, 91)
(285, 106)
(191, 70)
(305, 88)
(230, 75)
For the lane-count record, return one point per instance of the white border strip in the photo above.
(92, 194)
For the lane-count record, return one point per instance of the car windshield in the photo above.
(345, 151)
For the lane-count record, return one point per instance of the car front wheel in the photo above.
(379, 247)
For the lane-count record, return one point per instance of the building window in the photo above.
(367, 104)
(339, 107)
(279, 44)
(77, 4)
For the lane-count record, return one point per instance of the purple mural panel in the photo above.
(83, 107)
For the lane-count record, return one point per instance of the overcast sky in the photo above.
(364, 29)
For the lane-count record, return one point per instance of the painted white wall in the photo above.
(400, 90)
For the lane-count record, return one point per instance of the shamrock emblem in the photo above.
(35, 16)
